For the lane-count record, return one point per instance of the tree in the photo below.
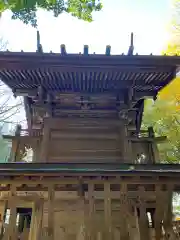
(164, 114)
(26, 10)
(9, 108)
(165, 118)
(173, 47)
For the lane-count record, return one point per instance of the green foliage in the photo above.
(164, 116)
(26, 10)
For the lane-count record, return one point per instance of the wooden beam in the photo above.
(136, 64)
(147, 139)
(69, 204)
(32, 92)
(166, 62)
(27, 140)
(56, 123)
(72, 178)
(143, 94)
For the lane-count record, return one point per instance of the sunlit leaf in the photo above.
(26, 10)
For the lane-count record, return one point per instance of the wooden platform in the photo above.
(100, 198)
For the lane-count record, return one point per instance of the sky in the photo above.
(148, 19)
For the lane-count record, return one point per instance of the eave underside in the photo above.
(92, 73)
(97, 86)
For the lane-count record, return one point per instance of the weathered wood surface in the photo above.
(87, 216)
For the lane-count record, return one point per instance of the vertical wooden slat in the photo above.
(154, 153)
(167, 223)
(125, 143)
(123, 212)
(143, 219)
(51, 198)
(158, 212)
(107, 211)
(82, 231)
(33, 224)
(36, 221)
(36, 151)
(136, 233)
(14, 156)
(92, 222)
(11, 230)
(3, 211)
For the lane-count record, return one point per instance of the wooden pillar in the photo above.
(167, 223)
(21, 223)
(82, 228)
(11, 230)
(15, 145)
(36, 221)
(3, 210)
(45, 143)
(143, 219)
(36, 151)
(133, 226)
(125, 143)
(123, 212)
(63, 233)
(158, 213)
(107, 211)
(99, 236)
(51, 223)
(91, 220)
(153, 149)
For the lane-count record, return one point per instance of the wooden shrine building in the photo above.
(95, 174)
